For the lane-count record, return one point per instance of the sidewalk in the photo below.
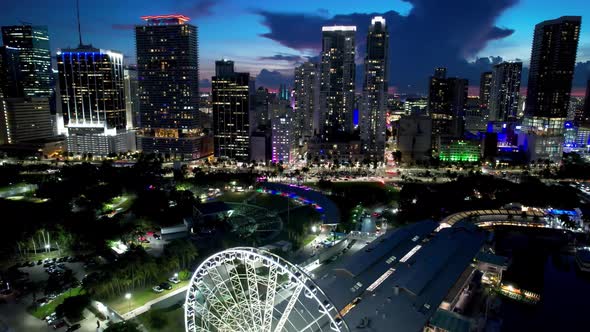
(140, 310)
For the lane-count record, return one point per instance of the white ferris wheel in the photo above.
(247, 289)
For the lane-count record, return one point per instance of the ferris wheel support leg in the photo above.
(289, 307)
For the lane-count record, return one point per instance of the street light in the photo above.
(314, 228)
(128, 297)
(176, 275)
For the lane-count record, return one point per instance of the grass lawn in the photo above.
(308, 239)
(138, 298)
(235, 197)
(271, 202)
(123, 202)
(46, 310)
(170, 319)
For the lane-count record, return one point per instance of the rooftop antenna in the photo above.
(79, 30)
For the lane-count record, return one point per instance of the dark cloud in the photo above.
(273, 79)
(200, 8)
(204, 83)
(284, 57)
(434, 33)
(191, 8)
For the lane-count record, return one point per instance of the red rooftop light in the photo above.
(179, 17)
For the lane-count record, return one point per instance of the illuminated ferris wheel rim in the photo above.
(306, 285)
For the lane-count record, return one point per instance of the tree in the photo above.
(126, 326)
(72, 307)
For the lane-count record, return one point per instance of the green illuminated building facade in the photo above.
(460, 151)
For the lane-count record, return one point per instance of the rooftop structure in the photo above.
(403, 277)
(165, 19)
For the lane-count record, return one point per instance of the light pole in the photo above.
(128, 297)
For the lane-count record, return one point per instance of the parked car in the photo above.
(157, 289)
(73, 327)
(174, 280)
(51, 318)
(59, 324)
(165, 286)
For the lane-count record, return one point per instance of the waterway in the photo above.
(541, 264)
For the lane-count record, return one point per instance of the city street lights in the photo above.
(128, 297)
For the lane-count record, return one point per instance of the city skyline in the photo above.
(501, 29)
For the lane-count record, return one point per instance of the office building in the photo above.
(10, 82)
(231, 112)
(460, 151)
(92, 93)
(553, 59)
(485, 88)
(33, 58)
(374, 102)
(414, 138)
(260, 115)
(414, 106)
(505, 91)
(585, 118)
(260, 146)
(168, 71)
(307, 95)
(24, 119)
(283, 139)
(447, 99)
(337, 82)
(131, 97)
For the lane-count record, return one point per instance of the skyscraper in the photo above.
(10, 75)
(586, 112)
(168, 72)
(485, 87)
(231, 112)
(34, 58)
(131, 97)
(447, 98)
(24, 120)
(92, 93)
(337, 82)
(505, 91)
(307, 99)
(553, 58)
(374, 104)
(259, 116)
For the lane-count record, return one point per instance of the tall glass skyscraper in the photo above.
(485, 88)
(92, 92)
(34, 58)
(306, 100)
(231, 112)
(375, 87)
(168, 74)
(337, 84)
(553, 59)
(505, 91)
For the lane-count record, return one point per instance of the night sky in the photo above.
(269, 38)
